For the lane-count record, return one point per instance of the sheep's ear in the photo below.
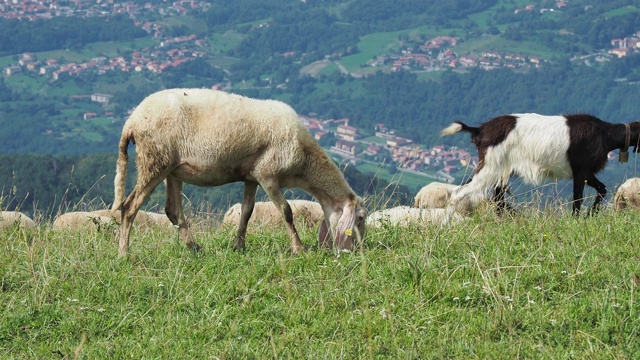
(324, 238)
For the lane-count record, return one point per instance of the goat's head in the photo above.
(347, 226)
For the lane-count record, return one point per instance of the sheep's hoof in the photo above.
(298, 250)
(239, 248)
(194, 246)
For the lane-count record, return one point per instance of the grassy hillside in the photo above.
(540, 285)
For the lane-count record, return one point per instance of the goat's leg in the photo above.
(602, 192)
(248, 202)
(131, 206)
(499, 199)
(175, 212)
(272, 188)
(578, 190)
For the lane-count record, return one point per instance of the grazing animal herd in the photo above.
(210, 138)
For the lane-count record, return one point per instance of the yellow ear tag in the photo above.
(348, 232)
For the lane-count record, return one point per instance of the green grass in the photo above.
(622, 11)
(220, 43)
(535, 286)
(376, 44)
(413, 181)
(369, 47)
(497, 43)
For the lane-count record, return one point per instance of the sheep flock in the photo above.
(210, 138)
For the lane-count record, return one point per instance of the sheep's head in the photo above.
(347, 226)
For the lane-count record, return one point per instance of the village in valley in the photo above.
(384, 147)
(380, 145)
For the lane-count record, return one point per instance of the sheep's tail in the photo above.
(458, 126)
(121, 170)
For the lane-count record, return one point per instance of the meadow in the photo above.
(541, 284)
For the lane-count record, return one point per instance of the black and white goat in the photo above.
(535, 147)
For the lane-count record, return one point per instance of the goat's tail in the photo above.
(458, 126)
(121, 170)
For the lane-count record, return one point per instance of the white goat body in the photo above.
(535, 147)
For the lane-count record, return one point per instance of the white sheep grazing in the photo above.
(143, 220)
(210, 138)
(309, 213)
(434, 195)
(160, 221)
(628, 195)
(76, 221)
(12, 218)
(405, 215)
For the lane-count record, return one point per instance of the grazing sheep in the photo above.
(535, 147)
(210, 138)
(159, 220)
(12, 218)
(82, 221)
(434, 195)
(265, 213)
(143, 220)
(405, 215)
(628, 195)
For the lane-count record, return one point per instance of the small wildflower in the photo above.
(101, 310)
(564, 272)
(538, 287)
(531, 302)
(383, 312)
(348, 232)
(456, 298)
(467, 298)
(553, 322)
(616, 305)
(160, 285)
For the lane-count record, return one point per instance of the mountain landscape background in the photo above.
(74, 70)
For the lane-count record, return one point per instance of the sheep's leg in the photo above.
(248, 202)
(175, 212)
(131, 206)
(272, 189)
(602, 192)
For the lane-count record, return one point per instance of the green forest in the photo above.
(55, 159)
